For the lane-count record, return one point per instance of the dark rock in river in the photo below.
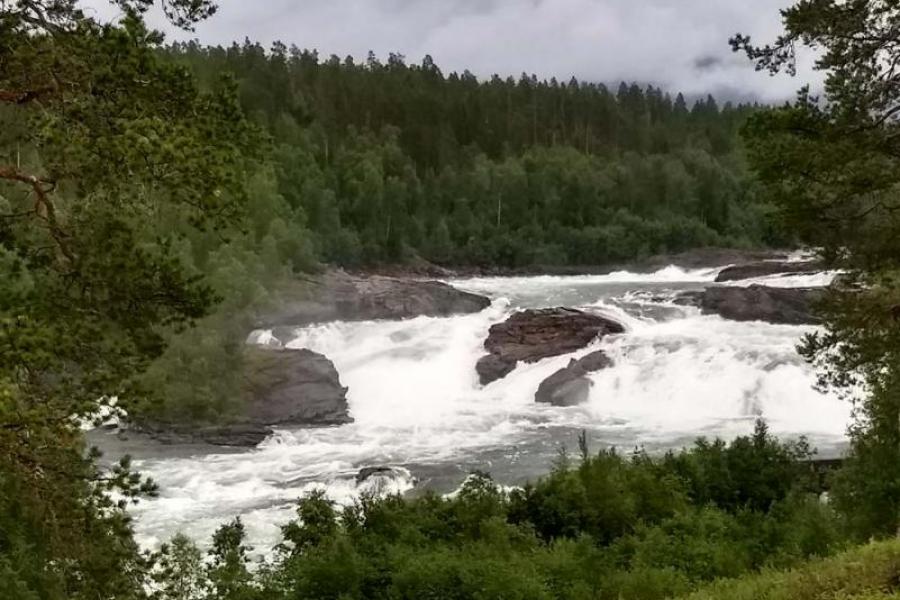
(493, 367)
(368, 473)
(689, 298)
(296, 387)
(337, 296)
(791, 306)
(282, 387)
(570, 386)
(761, 269)
(237, 434)
(535, 334)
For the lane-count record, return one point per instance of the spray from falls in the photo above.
(417, 404)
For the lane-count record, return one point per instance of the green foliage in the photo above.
(831, 166)
(179, 571)
(198, 377)
(227, 572)
(108, 156)
(607, 527)
(753, 472)
(317, 524)
(866, 573)
(394, 160)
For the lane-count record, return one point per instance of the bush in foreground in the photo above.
(607, 526)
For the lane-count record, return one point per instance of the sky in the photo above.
(680, 45)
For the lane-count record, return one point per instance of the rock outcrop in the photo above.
(296, 387)
(236, 434)
(791, 306)
(338, 296)
(282, 388)
(769, 267)
(570, 386)
(535, 334)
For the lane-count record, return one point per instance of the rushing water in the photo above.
(414, 395)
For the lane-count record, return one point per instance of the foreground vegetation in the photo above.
(599, 526)
(866, 573)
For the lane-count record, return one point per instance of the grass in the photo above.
(870, 572)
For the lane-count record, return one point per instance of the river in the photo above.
(417, 405)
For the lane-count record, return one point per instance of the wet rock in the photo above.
(244, 434)
(338, 296)
(535, 334)
(689, 298)
(570, 386)
(791, 306)
(296, 387)
(282, 387)
(771, 267)
(239, 435)
(380, 480)
(493, 367)
(367, 473)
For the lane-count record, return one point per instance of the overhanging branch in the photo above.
(43, 205)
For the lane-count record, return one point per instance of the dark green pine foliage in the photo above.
(832, 166)
(391, 161)
(108, 157)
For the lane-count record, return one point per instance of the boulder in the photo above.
(570, 386)
(338, 296)
(379, 480)
(367, 473)
(791, 306)
(293, 387)
(769, 267)
(493, 367)
(238, 434)
(534, 334)
(282, 387)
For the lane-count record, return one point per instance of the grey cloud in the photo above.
(705, 63)
(678, 44)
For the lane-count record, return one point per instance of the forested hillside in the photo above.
(387, 161)
(371, 164)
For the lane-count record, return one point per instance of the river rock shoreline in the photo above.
(770, 267)
(340, 296)
(700, 258)
(300, 388)
(784, 306)
(289, 388)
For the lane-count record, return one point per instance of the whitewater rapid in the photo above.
(417, 404)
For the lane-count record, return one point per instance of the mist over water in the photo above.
(417, 404)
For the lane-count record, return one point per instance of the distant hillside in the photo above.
(389, 160)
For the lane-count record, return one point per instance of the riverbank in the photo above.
(416, 402)
(690, 259)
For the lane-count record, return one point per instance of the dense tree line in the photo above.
(386, 162)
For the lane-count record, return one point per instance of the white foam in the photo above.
(670, 274)
(789, 280)
(415, 398)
